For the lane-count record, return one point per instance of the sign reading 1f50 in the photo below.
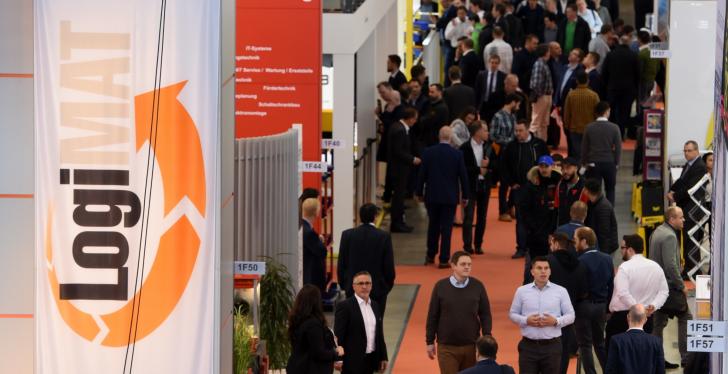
(706, 336)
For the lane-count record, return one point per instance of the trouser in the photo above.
(478, 204)
(641, 8)
(576, 144)
(569, 142)
(367, 367)
(540, 117)
(504, 201)
(399, 189)
(621, 106)
(449, 53)
(454, 359)
(589, 326)
(521, 230)
(643, 92)
(539, 356)
(568, 343)
(660, 321)
(439, 230)
(387, 194)
(617, 324)
(606, 172)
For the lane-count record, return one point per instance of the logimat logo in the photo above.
(91, 272)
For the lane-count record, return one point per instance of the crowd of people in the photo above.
(518, 76)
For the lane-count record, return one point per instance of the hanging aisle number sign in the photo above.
(706, 336)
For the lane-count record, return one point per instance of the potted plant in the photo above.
(243, 344)
(276, 300)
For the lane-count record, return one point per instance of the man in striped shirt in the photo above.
(541, 90)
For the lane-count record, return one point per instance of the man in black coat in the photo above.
(489, 89)
(600, 217)
(366, 248)
(441, 176)
(358, 326)
(621, 77)
(537, 206)
(314, 249)
(635, 351)
(517, 159)
(469, 62)
(436, 115)
(567, 272)
(396, 77)
(399, 165)
(582, 33)
(523, 61)
(692, 172)
(477, 153)
(458, 96)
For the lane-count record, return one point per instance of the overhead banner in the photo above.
(127, 118)
(278, 73)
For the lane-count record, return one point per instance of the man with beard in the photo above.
(591, 311)
(538, 206)
(435, 117)
(567, 272)
(638, 281)
(569, 190)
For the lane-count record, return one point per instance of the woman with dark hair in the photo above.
(460, 133)
(314, 350)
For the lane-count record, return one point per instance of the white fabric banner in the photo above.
(126, 123)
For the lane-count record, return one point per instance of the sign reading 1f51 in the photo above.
(706, 336)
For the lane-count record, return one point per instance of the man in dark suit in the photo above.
(358, 326)
(314, 250)
(621, 77)
(399, 165)
(523, 61)
(487, 350)
(691, 174)
(635, 351)
(489, 89)
(441, 175)
(457, 97)
(477, 153)
(581, 34)
(396, 77)
(367, 248)
(436, 115)
(600, 217)
(469, 62)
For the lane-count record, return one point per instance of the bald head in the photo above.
(637, 316)
(445, 134)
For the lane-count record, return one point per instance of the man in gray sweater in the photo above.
(459, 313)
(664, 249)
(601, 149)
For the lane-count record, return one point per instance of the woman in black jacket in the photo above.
(314, 349)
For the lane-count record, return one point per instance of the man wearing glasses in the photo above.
(359, 330)
(638, 281)
(691, 174)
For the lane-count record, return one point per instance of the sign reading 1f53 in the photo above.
(706, 336)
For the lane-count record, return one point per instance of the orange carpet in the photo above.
(501, 276)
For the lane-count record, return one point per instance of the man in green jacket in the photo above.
(648, 67)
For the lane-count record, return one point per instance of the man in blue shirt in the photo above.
(541, 309)
(591, 311)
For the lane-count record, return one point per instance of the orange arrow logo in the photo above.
(178, 152)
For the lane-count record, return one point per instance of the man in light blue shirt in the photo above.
(541, 309)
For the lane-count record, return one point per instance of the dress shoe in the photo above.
(429, 260)
(670, 365)
(401, 228)
(443, 266)
(468, 250)
(518, 254)
(505, 217)
(479, 251)
(512, 212)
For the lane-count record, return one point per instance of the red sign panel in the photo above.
(278, 72)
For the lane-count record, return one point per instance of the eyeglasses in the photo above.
(363, 283)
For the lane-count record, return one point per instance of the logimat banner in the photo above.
(126, 116)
